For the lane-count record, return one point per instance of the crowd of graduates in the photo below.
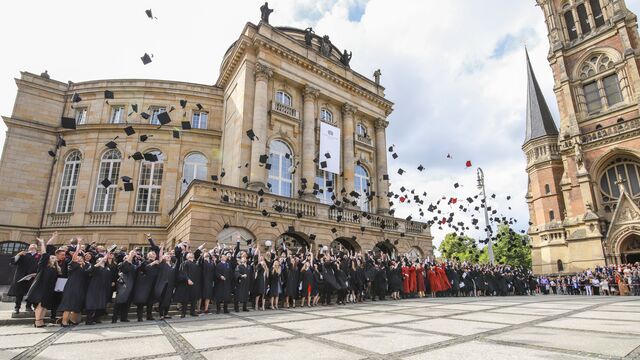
(78, 278)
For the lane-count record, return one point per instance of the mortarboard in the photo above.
(385, 177)
(149, 14)
(334, 230)
(150, 157)
(111, 144)
(312, 237)
(265, 213)
(400, 171)
(145, 59)
(76, 98)
(420, 168)
(186, 125)
(183, 103)
(394, 156)
(51, 153)
(252, 136)
(145, 115)
(245, 179)
(263, 159)
(164, 118)
(274, 224)
(108, 94)
(260, 192)
(144, 138)
(137, 156)
(68, 123)
(126, 179)
(222, 174)
(327, 155)
(106, 183)
(129, 130)
(128, 187)
(199, 106)
(323, 164)
(134, 107)
(176, 134)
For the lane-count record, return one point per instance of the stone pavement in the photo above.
(522, 328)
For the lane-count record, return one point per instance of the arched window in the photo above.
(596, 10)
(150, 182)
(362, 187)
(326, 184)
(195, 167)
(571, 25)
(283, 98)
(560, 265)
(361, 130)
(107, 175)
(607, 84)
(326, 116)
(582, 11)
(281, 172)
(625, 169)
(69, 183)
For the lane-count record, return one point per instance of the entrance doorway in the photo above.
(630, 249)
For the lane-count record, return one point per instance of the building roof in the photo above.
(539, 120)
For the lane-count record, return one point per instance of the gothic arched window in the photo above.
(109, 170)
(601, 86)
(624, 169)
(281, 172)
(67, 194)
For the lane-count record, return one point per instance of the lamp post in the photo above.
(486, 214)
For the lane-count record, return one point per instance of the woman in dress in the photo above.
(261, 279)
(42, 290)
(293, 281)
(275, 280)
(75, 290)
(208, 277)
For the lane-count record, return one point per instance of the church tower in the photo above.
(579, 175)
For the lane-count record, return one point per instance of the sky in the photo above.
(455, 69)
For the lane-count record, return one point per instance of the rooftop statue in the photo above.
(265, 12)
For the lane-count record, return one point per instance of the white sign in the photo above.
(329, 145)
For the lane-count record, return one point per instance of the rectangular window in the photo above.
(552, 216)
(592, 97)
(199, 120)
(571, 25)
(155, 111)
(149, 186)
(326, 185)
(68, 187)
(117, 115)
(612, 89)
(81, 116)
(596, 9)
(584, 19)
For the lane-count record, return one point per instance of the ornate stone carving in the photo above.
(325, 46)
(376, 76)
(577, 150)
(308, 36)
(629, 214)
(381, 123)
(310, 93)
(349, 109)
(263, 72)
(345, 58)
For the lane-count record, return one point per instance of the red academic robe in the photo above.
(405, 280)
(443, 280)
(433, 280)
(412, 279)
(420, 278)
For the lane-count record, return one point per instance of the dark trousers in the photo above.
(224, 303)
(93, 316)
(192, 308)
(19, 302)
(121, 311)
(140, 311)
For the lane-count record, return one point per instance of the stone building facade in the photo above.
(208, 184)
(584, 187)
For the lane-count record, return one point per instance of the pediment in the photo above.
(627, 212)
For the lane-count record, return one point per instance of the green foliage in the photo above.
(509, 248)
(461, 248)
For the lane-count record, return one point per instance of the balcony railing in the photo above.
(345, 215)
(295, 207)
(363, 139)
(144, 219)
(239, 197)
(609, 132)
(100, 218)
(284, 109)
(59, 219)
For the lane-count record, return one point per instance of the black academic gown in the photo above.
(222, 289)
(165, 284)
(260, 281)
(208, 278)
(395, 280)
(42, 290)
(126, 282)
(98, 288)
(293, 279)
(25, 265)
(76, 288)
(243, 283)
(145, 281)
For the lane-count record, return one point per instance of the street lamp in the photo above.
(486, 214)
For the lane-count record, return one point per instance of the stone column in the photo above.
(258, 174)
(309, 139)
(348, 161)
(381, 165)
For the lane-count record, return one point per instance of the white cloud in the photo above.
(455, 69)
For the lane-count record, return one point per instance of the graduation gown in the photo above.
(208, 278)
(420, 279)
(275, 281)
(126, 282)
(145, 280)
(222, 289)
(165, 283)
(243, 284)
(293, 279)
(25, 265)
(412, 279)
(380, 282)
(41, 290)
(98, 288)
(76, 288)
(405, 281)
(396, 283)
(193, 272)
(260, 281)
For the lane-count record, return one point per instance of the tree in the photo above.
(509, 248)
(461, 248)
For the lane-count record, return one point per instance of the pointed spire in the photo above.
(539, 120)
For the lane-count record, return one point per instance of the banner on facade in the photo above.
(329, 148)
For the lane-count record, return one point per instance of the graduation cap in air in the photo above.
(128, 186)
(150, 157)
(400, 171)
(274, 224)
(222, 174)
(144, 137)
(260, 192)
(134, 108)
(149, 14)
(137, 156)
(394, 156)
(145, 115)
(327, 155)
(111, 144)
(164, 118)
(385, 177)
(263, 159)
(420, 168)
(129, 130)
(145, 59)
(323, 164)
(265, 213)
(396, 242)
(183, 103)
(334, 230)
(68, 123)
(51, 153)
(245, 179)
(312, 237)
(186, 125)
(391, 148)
(225, 226)
(106, 183)
(199, 106)
(76, 98)
(108, 94)
(252, 136)
(126, 179)
(176, 134)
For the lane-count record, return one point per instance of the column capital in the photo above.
(381, 124)
(310, 93)
(263, 71)
(348, 109)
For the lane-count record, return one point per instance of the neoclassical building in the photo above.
(212, 183)
(584, 177)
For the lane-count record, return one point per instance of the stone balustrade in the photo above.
(144, 219)
(363, 139)
(99, 219)
(59, 219)
(284, 109)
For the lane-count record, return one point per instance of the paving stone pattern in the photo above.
(522, 328)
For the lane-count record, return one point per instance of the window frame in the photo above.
(275, 177)
(359, 126)
(81, 115)
(361, 186)
(72, 164)
(114, 110)
(150, 187)
(155, 111)
(325, 196)
(326, 115)
(195, 167)
(282, 95)
(611, 172)
(112, 173)
(200, 123)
